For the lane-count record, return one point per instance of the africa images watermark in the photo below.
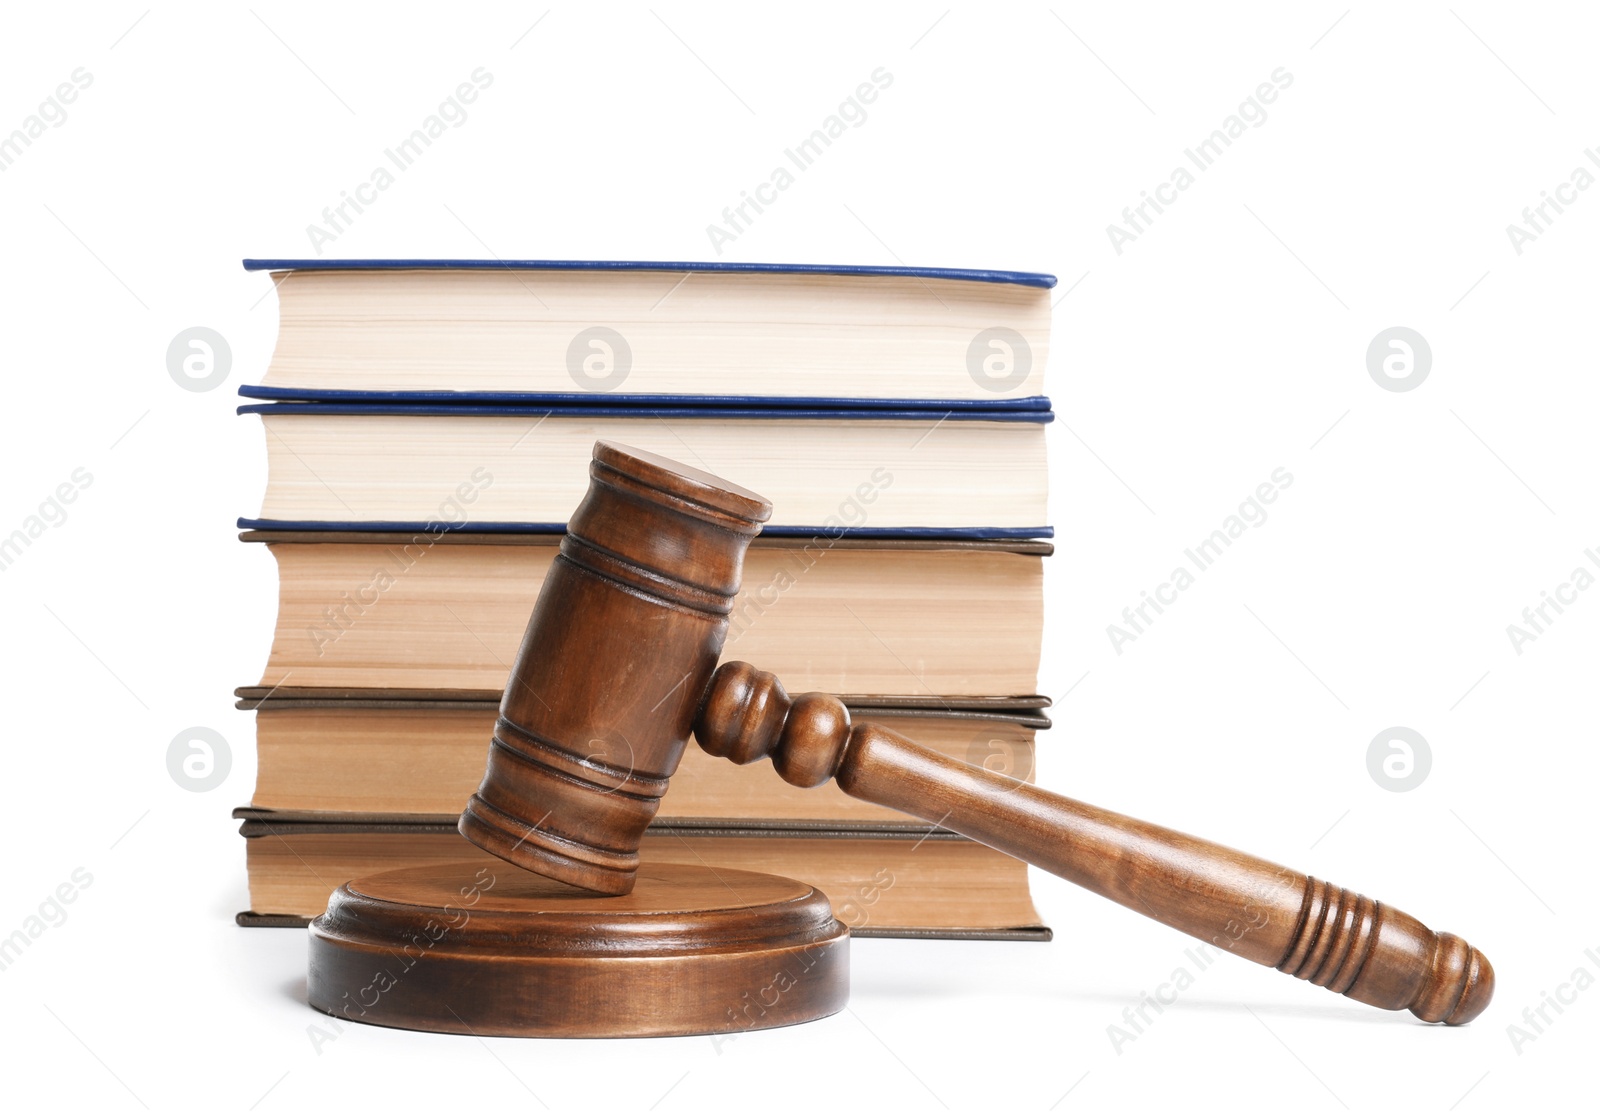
(1543, 1015)
(417, 947)
(1536, 618)
(199, 759)
(451, 113)
(52, 112)
(1251, 113)
(736, 219)
(850, 514)
(1252, 513)
(352, 606)
(1140, 1016)
(1537, 219)
(51, 514)
(751, 1007)
(53, 910)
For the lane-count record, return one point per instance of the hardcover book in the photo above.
(419, 755)
(640, 331)
(856, 617)
(521, 468)
(883, 880)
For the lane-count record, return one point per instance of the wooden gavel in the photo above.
(619, 664)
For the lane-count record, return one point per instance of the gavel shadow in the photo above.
(910, 989)
(1352, 1013)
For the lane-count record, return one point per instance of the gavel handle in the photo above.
(1251, 907)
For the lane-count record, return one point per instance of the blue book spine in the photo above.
(623, 402)
(978, 275)
(825, 532)
(364, 408)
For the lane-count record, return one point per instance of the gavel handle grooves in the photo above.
(1251, 907)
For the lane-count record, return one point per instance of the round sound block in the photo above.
(485, 947)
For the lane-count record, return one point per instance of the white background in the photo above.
(1228, 340)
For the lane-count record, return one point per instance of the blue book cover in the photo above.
(633, 402)
(979, 275)
(819, 532)
(275, 401)
(585, 408)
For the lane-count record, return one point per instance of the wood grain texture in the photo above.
(485, 948)
(615, 659)
(619, 654)
(1251, 907)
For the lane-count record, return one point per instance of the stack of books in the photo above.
(429, 427)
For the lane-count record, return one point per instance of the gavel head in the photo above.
(615, 662)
